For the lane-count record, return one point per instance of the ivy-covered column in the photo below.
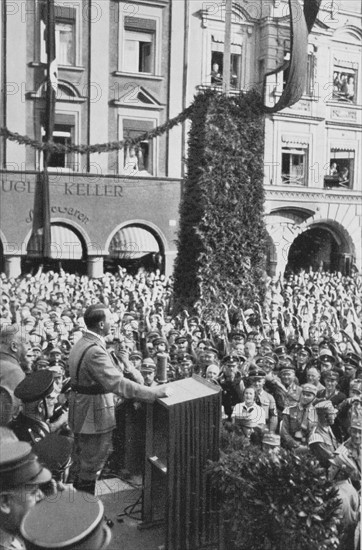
(222, 237)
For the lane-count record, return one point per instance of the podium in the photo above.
(182, 434)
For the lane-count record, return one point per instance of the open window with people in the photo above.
(344, 84)
(340, 170)
(138, 158)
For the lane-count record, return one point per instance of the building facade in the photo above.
(125, 68)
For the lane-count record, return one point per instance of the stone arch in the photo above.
(285, 226)
(88, 245)
(145, 224)
(138, 249)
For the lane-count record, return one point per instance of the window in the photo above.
(294, 166)
(63, 134)
(311, 67)
(138, 158)
(65, 36)
(341, 169)
(65, 43)
(139, 45)
(344, 84)
(217, 61)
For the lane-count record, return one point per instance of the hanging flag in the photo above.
(41, 234)
(301, 23)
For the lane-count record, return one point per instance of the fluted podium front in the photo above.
(182, 434)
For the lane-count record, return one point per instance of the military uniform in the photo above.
(72, 522)
(297, 419)
(35, 387)
(267, 403)
(19, 468)
(95, 379)
(29, 429)
(322, 442)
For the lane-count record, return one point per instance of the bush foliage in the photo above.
(221, 245)
(276, 502)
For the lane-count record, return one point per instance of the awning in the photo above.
(133, 242)
(65, 244)
(220, 37)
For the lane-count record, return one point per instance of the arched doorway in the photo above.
(68, 251)
(316, 248)
(135, 247)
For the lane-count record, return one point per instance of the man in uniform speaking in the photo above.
(95, 378)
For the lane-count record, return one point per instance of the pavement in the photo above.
(123, 506)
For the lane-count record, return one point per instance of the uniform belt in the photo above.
(89, 390)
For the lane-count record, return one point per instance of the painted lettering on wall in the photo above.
(106, 190)
(18, 186)
(77, 214)
(93, 190)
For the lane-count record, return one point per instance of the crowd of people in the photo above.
(73, 349)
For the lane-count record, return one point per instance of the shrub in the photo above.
(276, 501)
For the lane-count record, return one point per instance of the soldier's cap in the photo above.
(257, 374)
(231, 360)
(352, 358)
(304, 350)
(267, 344)
(55, 350)
(184, 357)
(210, 349)
(52, 336)
(309, 388)
(324, 407)
(135, 355)
(237, 335)
(287, 366)
(35, 386)
(280, 350)
(295, 347)
(152, 335)
(41, 363)
(174, 332)
(285, 361)
(72, 522)
(326, 354)
(331, 375)
(268, 360)
(148, 365)
(19, 466)
(180, 339)
(54, 451)
(356, 385)
(271, 439)
(160, 340)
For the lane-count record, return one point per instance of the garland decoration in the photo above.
(100, 147)
(221, 244)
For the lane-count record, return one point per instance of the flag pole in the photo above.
(51, 90)
(227, 47)
(40, 242)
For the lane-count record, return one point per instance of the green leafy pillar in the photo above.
(222, 237)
